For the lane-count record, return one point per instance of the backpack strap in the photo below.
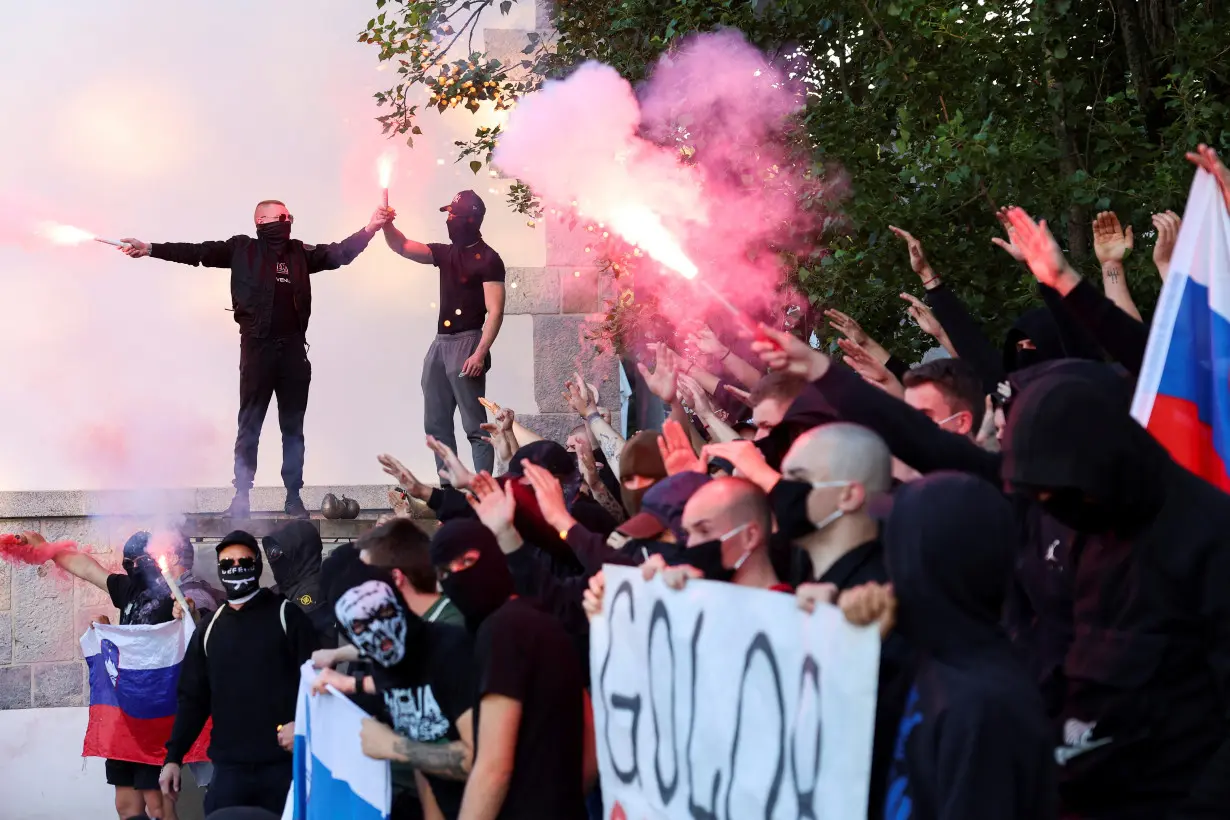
(210, 628)
(282, 615)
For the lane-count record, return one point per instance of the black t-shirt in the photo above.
(137, 602)
(523, 653)
(462, 274)
(424, 696)
(285, 321)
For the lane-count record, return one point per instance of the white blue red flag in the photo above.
(134, 671)
(334, 780)
(1183, 393)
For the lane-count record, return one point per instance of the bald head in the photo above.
(271, 210)
(723, 505)
(841, 452)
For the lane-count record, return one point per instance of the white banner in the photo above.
(728, 703)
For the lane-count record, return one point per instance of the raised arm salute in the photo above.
(272, 298)
(471, 313)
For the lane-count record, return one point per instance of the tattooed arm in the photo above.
(609, 503)
(451, 761)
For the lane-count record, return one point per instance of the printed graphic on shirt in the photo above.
(415, 714)
(283, 274)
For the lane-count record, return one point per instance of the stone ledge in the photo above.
(120, 503)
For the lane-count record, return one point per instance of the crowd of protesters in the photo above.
(1050, 586)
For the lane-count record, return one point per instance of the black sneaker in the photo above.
(241, 508)
(294, 506)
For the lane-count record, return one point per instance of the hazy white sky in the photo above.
(168, 123)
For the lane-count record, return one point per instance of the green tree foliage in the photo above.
(939, 112)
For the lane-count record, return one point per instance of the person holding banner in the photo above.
(142, 596)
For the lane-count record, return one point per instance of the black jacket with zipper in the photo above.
(253, 269)
(246, 678)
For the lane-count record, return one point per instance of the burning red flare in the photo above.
(384, 168)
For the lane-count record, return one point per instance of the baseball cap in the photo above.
(466, 203)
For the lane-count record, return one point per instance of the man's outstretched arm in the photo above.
(336, 254)
(202, 254)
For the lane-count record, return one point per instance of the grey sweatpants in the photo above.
(445, 390)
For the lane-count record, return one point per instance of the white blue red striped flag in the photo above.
(1183, 393)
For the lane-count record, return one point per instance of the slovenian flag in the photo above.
(1183, 393)
(334, 780)
(134, 671)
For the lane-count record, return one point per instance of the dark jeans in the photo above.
(268, 368)
(260, 785)
(445, 391)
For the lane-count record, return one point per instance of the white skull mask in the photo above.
(373, 621)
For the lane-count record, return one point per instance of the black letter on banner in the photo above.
(760, 644)
(806, 797)
(628, 703)
(699, 812)
(666, 790)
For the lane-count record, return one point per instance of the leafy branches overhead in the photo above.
(939, 110)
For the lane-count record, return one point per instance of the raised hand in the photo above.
(922, 315)
(846, 326)
(550, 496)
(578, 397)
(747, 459)
(695, 396)
(1111, 243)
(380, 217)
(1167, 224)
(1042, 253)
(494, 505)
(783, 353)
(663, 379)
(707, 342)
(454, 472)
(505, 419)
(404, 478)
(676, 449)
(918, 259)
(1010, 245)
(498, 439)
(870, 368)
(1206, 159)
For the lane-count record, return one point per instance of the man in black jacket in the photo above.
(242, 669)
(295, 554)
(272, 298)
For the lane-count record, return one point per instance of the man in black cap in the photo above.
(242, 669)
(271, 293)
(471, 312)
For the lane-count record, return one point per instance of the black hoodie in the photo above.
(976, 741)
(1145, 716)
(295, 552)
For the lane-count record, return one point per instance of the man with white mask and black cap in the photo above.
(242, 669)
(471, 313)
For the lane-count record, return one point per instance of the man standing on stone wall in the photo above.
(471, 312)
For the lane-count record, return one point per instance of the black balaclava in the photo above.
(555, 459)
(241, 581)
(465, 220)
(138, 563)
(478, 590)
(294, 554)
(276, 234)
(373, 617)
(1038, 326)
(1072, 439)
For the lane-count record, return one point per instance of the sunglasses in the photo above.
(278, 218)
(236, 563)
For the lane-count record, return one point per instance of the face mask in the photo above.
(240, 577)
(275, 233)
(1028, 357)
(374, 622)
(1072, 509)
(707, 557)
(790, 507)
(462, 232)
(479, 589)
